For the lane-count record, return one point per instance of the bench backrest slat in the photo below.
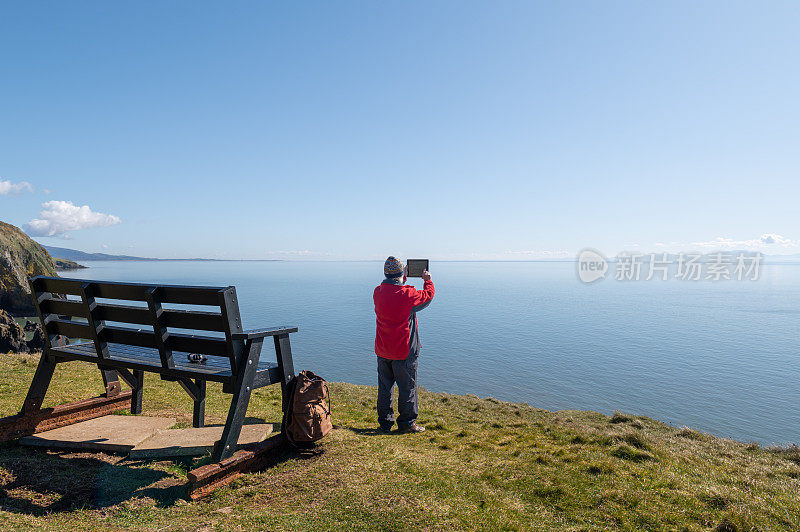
(63, 307)
(138, 325)
(173, 294)
(71, 329)
(181, 319)
(186, 343)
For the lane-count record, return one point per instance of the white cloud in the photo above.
(59, 217)
(766, 242)
(772, 238)
(7, 188)
(540, 253)
(301, 253)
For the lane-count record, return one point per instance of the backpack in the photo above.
(307, 417)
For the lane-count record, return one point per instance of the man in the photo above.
(397, 344)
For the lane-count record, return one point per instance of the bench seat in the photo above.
(216, 369)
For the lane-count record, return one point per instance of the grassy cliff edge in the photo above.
(482, 464)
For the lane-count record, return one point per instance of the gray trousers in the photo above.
(404, 373)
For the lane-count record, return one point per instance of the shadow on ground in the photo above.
(44, 481)
(365, 432)
(38, 482)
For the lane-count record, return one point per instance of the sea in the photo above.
(720, 357)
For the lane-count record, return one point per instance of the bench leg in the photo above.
(137, 392)
(226, 446)
(111, 380)
(135, 380)
(39, 385)
(197, 391)
(199, 410)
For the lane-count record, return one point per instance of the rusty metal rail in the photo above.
(19, 425)
(205, 479)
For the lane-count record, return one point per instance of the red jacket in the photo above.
(396, 307)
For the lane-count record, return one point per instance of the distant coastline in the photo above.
(77, 255)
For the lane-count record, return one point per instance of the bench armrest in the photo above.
(251, 334)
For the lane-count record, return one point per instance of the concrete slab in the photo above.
(111, 434)
(194, 442)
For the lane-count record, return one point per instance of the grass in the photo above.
(482, 464)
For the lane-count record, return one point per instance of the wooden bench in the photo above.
(148, 333)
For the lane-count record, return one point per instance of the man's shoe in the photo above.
(411, 429)
(385, 430)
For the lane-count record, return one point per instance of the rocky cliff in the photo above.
(20, 258)
(14, 337)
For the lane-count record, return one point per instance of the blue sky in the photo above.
(460, 130)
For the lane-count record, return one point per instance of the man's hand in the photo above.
(426, 276)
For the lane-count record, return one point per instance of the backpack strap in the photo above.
(328, 395)
(291, 386)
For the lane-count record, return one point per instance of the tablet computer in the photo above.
(417, 266)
